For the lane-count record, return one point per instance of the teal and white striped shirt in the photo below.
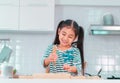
(70, 56)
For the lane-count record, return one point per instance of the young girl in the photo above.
(66, 52)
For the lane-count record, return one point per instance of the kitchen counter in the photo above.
(54, 76)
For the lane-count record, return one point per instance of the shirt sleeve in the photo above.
(77, 60)
(46, 54)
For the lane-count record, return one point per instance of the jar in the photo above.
(108, 19)
(6, 70)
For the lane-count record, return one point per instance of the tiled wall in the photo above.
(100, 51)
(27, 51)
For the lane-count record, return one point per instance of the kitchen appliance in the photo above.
(113, 77)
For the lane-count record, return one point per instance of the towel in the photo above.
(5, 54)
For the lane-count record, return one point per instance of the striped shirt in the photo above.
(70, 56)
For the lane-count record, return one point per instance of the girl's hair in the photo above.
(79, 33)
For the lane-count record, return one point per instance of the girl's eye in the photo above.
(63, 34)
(70, 37)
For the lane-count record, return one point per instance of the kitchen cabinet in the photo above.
(27, 15)
(89, 2)
(37, 15)
(9, 14)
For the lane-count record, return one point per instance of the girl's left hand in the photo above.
(69, 68)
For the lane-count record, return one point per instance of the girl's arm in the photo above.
(46, 62)
(77, 61)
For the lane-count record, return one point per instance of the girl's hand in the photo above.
(66, 67)
(69, 68)
(53, 57)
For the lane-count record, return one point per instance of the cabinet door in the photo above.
(37, 15)
(9, 14)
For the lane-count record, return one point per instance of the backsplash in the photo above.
(100, 51)
(27, 51)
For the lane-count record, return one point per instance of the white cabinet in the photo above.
(9, 14)
(89, 2)
(37, 15)
(27, 15)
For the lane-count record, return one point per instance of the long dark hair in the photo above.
(79, 32)
(80, 46)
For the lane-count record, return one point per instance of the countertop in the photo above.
(53, 76)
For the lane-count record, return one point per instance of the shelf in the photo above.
(104, 30)
(25, 32)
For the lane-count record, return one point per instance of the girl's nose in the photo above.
(65, 38)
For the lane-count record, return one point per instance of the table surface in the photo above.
(53, 76)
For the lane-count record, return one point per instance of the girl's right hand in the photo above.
(53, 57)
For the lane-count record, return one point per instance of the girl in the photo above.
(66, 52)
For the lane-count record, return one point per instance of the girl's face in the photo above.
(66, 36)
